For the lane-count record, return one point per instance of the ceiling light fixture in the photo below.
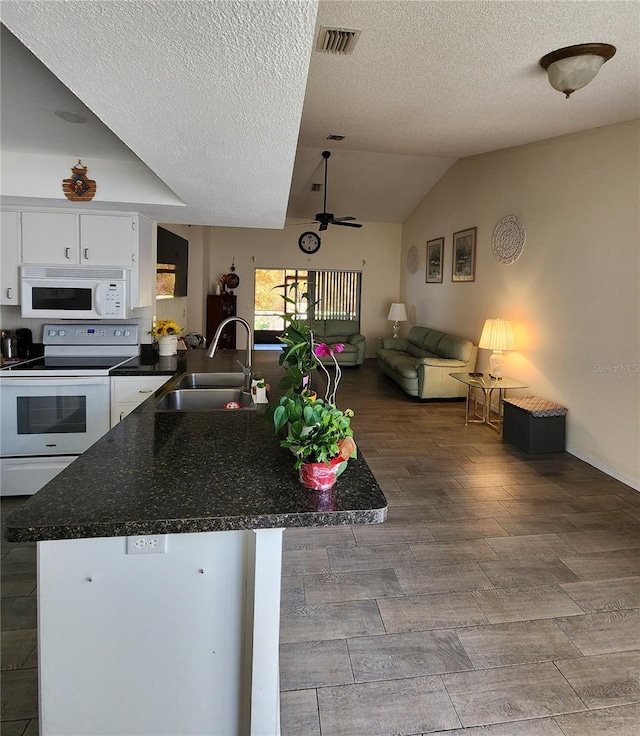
(70, 117)
(573, 67)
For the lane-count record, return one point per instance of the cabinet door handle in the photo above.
(9, 293)
(86, 254)
(67, 253)
(145, 391)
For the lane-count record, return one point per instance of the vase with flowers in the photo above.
(165, 332)
(318, 433)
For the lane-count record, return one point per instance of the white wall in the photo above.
(37, 176)
(374, 249)
(573, 295)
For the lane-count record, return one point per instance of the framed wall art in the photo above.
(464, 255)
(435, 259)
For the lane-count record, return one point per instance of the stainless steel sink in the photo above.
(210, 380)
(205, 399)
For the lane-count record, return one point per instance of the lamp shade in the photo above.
(497, 334)
(573, 67)
(397, 313)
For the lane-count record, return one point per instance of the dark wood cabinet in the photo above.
(218, 309)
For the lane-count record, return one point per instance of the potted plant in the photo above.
(165, 332)
(297, 358)
(320, 436)
(318, 433)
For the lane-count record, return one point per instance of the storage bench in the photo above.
(534, 425)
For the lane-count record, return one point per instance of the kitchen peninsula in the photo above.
(184, 639)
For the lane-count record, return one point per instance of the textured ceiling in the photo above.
(209, 94)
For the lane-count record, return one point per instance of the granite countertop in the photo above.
(179, 472)
(149, 363)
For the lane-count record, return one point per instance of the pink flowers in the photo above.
(323, 350)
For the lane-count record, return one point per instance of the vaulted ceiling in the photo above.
(230, 104)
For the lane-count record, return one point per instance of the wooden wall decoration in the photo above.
(78, 188)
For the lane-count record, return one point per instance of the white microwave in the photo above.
(53, 292)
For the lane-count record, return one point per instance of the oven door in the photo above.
(52, 416)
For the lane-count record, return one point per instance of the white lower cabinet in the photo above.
(128, 392)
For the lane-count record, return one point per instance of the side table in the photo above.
(487, 386)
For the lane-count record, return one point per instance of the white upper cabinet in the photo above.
(50, 238)
(67, 239)
(10, 239)
(107, 240)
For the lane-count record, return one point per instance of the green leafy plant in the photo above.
(297, 358)
(316, 430)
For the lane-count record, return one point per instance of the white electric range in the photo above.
(55, 407)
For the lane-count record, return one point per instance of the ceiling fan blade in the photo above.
(293, 224)
(340, 219)
(346, 224)
(323, 225)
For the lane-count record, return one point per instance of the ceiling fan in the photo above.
(327, 218)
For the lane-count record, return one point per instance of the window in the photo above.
(332, 295)
(165, 280)
(335, 294)
(172, 265)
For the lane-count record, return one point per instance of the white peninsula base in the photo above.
(181, 643)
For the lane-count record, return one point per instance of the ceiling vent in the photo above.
(337, 40)
(315, 187)
(334, 137)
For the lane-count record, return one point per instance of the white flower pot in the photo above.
(168, 345)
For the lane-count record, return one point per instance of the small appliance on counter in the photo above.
(24, 339)
(195, 340)
(8, 345)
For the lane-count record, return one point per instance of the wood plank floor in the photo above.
(501, 597)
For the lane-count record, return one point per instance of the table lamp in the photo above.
(397, 313)
(497, 335)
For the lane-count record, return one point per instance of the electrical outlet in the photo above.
(150, 544)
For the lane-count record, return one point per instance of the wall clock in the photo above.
(309, 242)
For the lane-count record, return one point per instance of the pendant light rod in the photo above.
(325, 156)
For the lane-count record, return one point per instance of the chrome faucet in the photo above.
(246, 369)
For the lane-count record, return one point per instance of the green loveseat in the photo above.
(421, 362)
(345, 331)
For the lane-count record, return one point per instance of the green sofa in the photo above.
(345, 331)
(421, 362)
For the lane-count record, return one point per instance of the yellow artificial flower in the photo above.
(165, 327)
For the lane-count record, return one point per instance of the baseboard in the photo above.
(633, 483)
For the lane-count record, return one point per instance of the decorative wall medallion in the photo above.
(413, 259)
(78, 188)
(508, 239)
